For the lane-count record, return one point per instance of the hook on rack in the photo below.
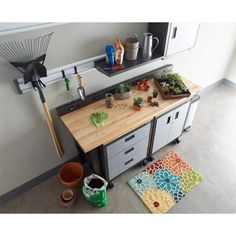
(63, 74)
(75, 68)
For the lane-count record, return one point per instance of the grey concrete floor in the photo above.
(209, 147)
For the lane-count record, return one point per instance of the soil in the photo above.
(95, 183)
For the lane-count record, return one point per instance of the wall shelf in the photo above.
(98, 62)
(101, 64)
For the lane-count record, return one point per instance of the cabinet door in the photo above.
(162, 131)
(191, 113)
(178, 120)
(182, 36)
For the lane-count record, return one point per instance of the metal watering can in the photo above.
(147, 44)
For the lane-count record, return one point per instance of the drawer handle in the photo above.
(127, 162)
(130, 137)
(168, 120)
(177, 115)
(130, 150)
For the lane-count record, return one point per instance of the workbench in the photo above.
(122, 123)
(122, 118)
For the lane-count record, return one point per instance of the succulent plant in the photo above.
(123, 88)
(155, 93)
(138, 101)
(171, 83)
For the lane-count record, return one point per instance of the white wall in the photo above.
(26, 149)
(231, 71)
(208, 61)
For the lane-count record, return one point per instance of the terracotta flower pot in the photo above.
(149, 99)
(137, 108)
(67, 195)
(146, 88)
(145, 81)
(71, 175)
(68, 203)
(140, 85)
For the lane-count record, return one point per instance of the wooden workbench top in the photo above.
(122, 118)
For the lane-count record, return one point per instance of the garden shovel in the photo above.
(80, 89)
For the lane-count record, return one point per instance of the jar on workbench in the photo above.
(109, 100)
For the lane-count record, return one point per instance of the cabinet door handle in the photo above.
(129, 150)
(130, 137)
(168, 120)
(174, 32)
(176, 115)
(127, 162)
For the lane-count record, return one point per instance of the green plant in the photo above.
(177, 90)
(123, 88)
(97, 118)
(155, 93)
(138, 101)
(171, 82)
(170, 76)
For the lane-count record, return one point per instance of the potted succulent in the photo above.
(155, 93)
(140, 85)
(143, 85)
(138, 103)
(123, 91)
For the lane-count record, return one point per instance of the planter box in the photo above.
(169, 95)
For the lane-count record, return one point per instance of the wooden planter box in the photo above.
(170, 96)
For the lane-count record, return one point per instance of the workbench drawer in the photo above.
(127, 158)
(128, 140)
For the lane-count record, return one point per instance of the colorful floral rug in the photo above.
(165, 182)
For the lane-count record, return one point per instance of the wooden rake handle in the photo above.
(52, 130)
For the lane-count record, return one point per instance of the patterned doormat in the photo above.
(165, 182)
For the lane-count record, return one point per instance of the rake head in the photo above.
(28, 56)
(26, 51)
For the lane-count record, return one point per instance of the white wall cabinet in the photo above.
(169, 126)
(182, 36)
(173, 37)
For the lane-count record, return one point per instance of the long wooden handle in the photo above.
(52, 130)
(79, 78)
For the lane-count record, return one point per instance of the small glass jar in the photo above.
(109, 100)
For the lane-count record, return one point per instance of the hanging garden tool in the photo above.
(68, 87)
(28, 57)
(80, 89)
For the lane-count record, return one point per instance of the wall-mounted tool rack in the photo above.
(55, 75)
